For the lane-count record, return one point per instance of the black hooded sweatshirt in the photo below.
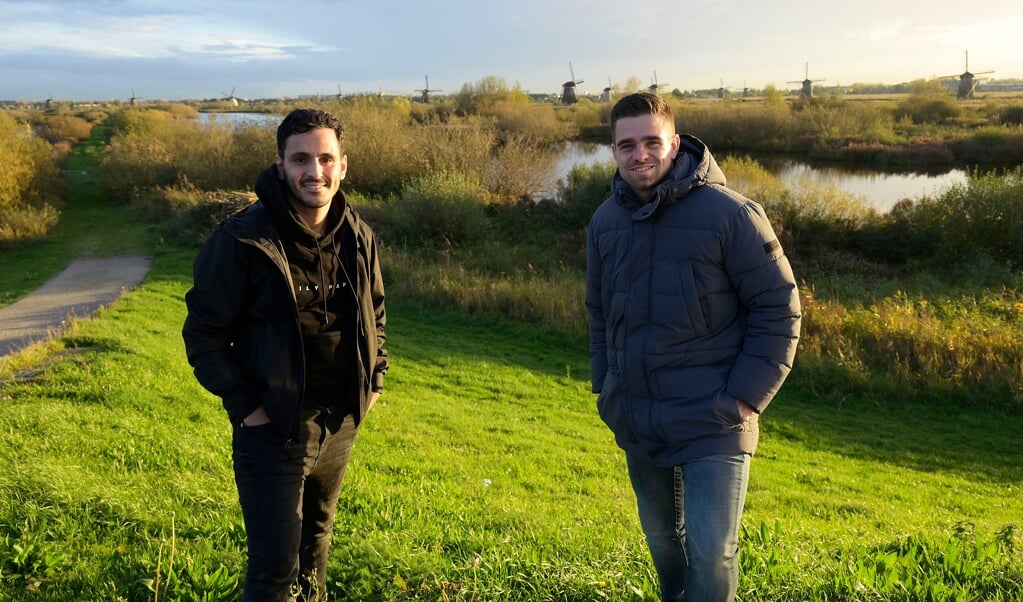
(320, 267)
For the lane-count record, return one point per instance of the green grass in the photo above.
(484, 474)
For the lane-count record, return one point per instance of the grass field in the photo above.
(483, 475)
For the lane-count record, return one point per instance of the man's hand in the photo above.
(256, 418)
(373, 397)
(745, 409)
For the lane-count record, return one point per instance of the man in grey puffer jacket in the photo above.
(694, 319)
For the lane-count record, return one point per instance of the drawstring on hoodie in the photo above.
(323, 280)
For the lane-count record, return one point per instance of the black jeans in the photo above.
(288, 496)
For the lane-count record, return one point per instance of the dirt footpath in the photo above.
(78, 291)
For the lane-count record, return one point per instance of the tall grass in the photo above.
(153, 149)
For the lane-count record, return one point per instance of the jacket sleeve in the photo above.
(767, 289)
(214, 304)
(382, 361)
(594, 305)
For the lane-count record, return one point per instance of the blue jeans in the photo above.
(690, 515)
(288, 495)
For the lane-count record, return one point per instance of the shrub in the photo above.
(520, 167)
(32, 188)
(983, 215)
(1011, 115)
(18, 224)
(381, 154)
(134, 163)
(928, 108)
(186, 215)
(584, 190)
(63, 127)
(537, 122)
(739, 125)
(151, 150)
(746, 176)
(440, 210)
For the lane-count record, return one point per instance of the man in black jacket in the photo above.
(286, 325)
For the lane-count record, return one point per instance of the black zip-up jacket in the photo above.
(242, 333)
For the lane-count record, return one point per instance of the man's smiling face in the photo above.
(644, 148)
(313, 167)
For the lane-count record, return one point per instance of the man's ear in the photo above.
(280, 167)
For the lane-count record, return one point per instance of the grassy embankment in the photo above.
(486, 474)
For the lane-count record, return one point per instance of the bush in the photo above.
(18, 224)
(746, 176)
(537, 122)
(928, 108)
(584, 190)
(984, 215)
(186, 215)
(64, 127)
(152, 149)
(440, 210)
(1011, 115)
(32, 188)
(739, 125)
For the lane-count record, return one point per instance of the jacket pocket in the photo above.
(682, 421)
(676, 300)
(609, 402)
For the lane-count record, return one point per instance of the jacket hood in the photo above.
(273, 193)
(693, 167)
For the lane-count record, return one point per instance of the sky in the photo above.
(82, 50)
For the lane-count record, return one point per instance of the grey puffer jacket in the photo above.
(692, 305)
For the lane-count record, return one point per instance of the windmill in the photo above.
(606, 95)
(425, 97)
(568, 96)
(49, 100)
(134, 100)
(231, 98)
(967, 81)
(655, 86)
(807, 91)
(723, 90)
(339, 91)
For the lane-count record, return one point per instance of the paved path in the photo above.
(78, 291)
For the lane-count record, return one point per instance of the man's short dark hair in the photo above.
(301, 121)
(638, 104)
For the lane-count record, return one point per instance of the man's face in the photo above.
(313, 167)
(644, 147)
